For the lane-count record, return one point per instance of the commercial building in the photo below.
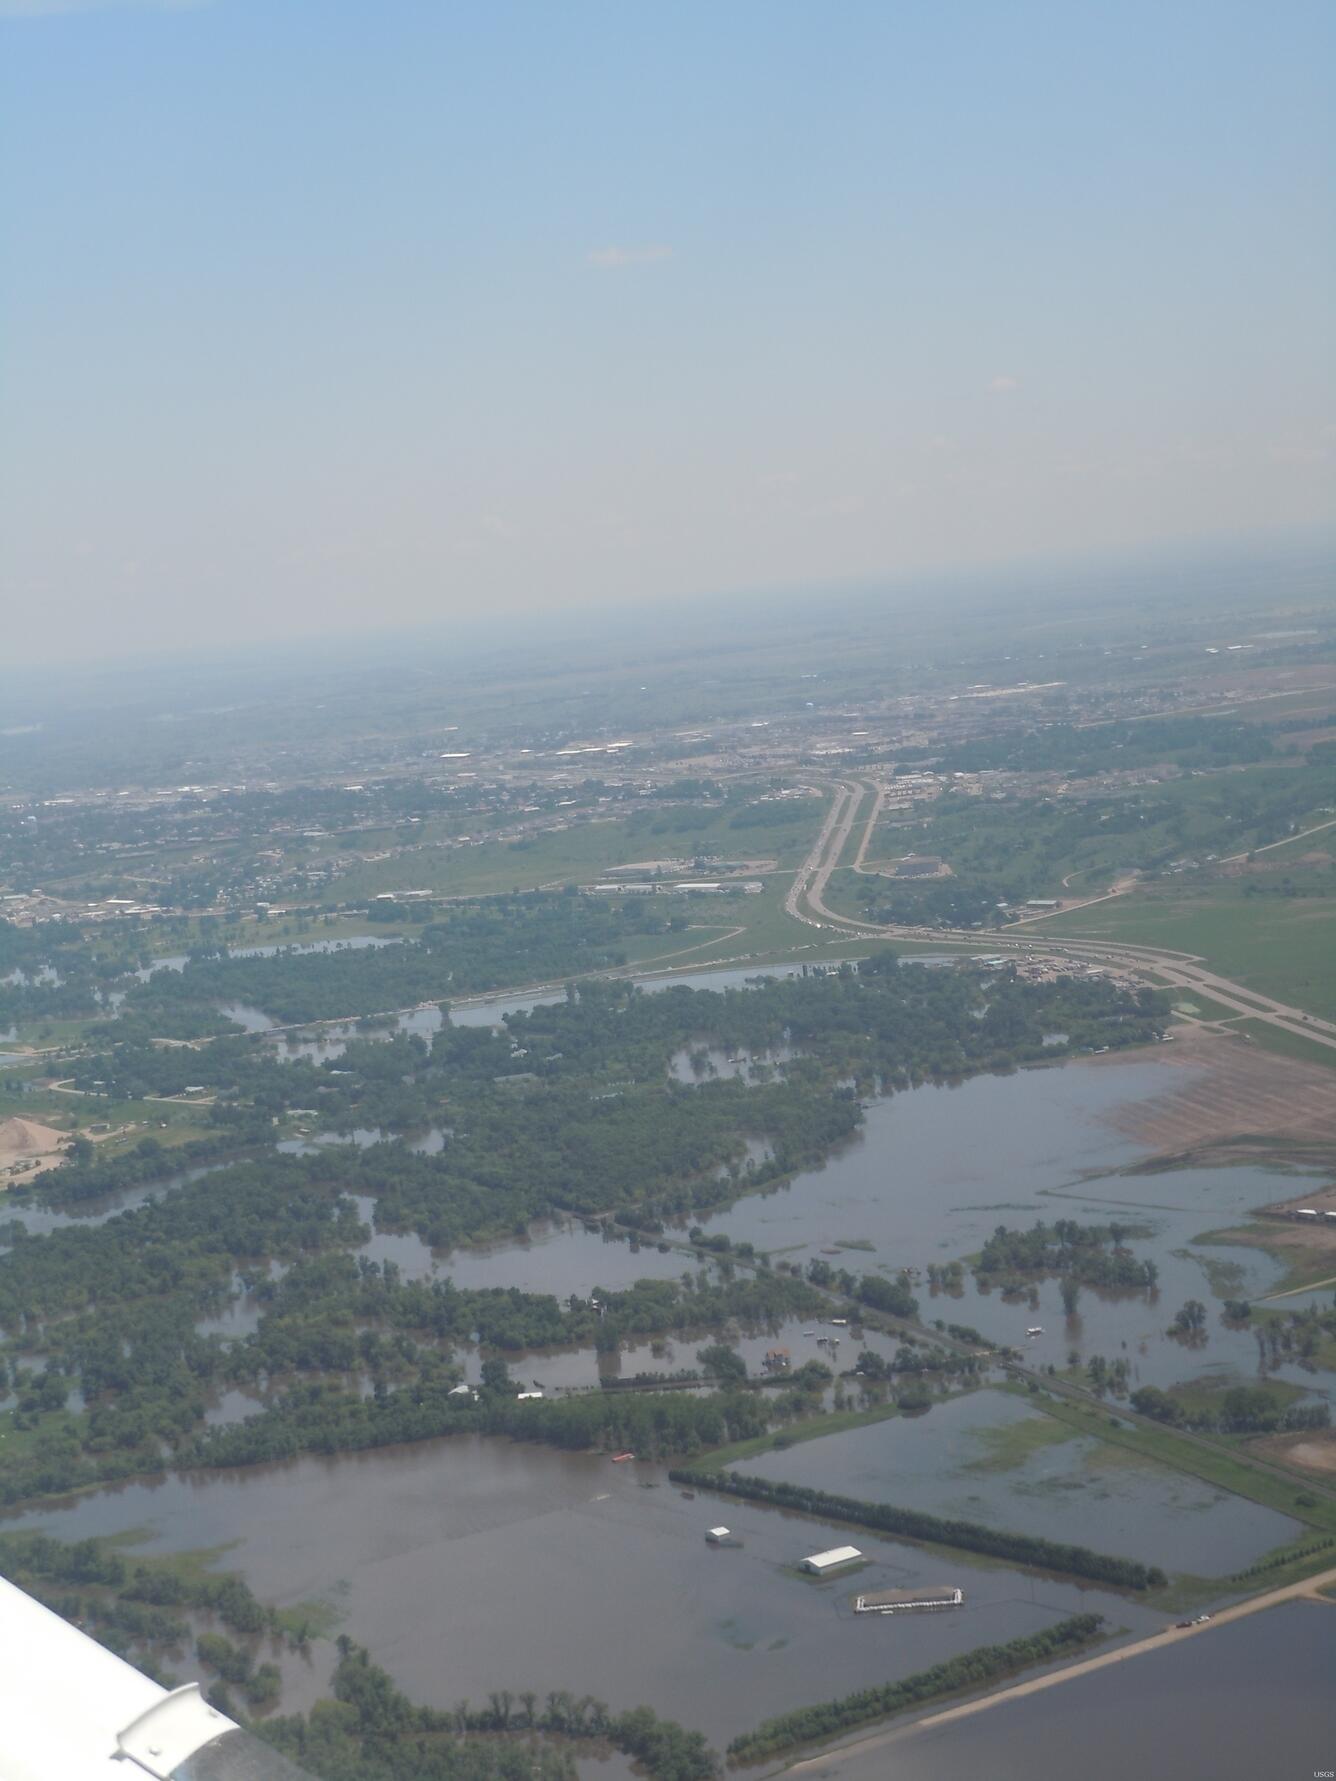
(821, 1564)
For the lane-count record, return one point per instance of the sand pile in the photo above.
(24, 1137)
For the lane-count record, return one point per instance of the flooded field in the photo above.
(988, 1457)
(1247, 1700)
(936, 1170)
(415, 1545)
(467, 1565)
(584, 1367)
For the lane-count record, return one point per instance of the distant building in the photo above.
(821, 1564)
(716, 1536)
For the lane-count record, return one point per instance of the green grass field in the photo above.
(587, 848)
(1278, 946)
(1029, 846)
(1287, 1044)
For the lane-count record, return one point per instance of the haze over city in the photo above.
(322, 319)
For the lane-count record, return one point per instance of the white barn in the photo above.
(820, 1564)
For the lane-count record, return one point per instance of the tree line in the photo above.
(971, 1669)
(371, 1731)
(915, 1524)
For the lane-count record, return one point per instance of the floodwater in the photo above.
(246, 1016)
(1240, 1702)
(467, 1565)
(702, 1062)
(1072, 1488)
(931, 1175)
(327, 1042)
(556, 1257)
(454, 1560)
(41, 1220)
(936, 1170)
(583, 1368)
(177, 961)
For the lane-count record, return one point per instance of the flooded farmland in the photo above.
(469, 1564)
(936, 1170)
(988, 1457)
(417, 1546)
(1253, 1699)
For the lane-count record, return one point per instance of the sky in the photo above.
(324, 316)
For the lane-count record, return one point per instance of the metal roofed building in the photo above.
(821, 1564)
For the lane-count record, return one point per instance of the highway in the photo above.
(805, 901)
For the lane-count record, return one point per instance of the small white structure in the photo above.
(821, 1564)
(527, 1397)
(717, 1535)
(1303, 1211)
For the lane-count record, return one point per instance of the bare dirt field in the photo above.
(1311, 1240)
(1315, 1451)
(1220, 1090)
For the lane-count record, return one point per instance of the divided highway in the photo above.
(805, 901)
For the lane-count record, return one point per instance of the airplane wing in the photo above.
(70, 1710)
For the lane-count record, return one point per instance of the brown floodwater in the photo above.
(472, 1564)
(468, 1565)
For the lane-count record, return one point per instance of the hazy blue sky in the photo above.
(343, 312)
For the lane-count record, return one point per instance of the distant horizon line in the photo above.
(626, 615)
